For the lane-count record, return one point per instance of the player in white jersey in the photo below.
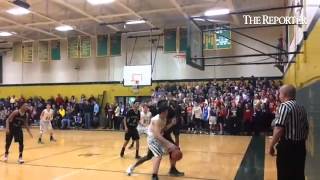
(157, 144)
(45, 123)
(170, 123)
(145, 118)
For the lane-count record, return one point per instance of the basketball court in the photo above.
(113, 53)
(87, 154)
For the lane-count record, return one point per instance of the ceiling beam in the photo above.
(153, 11)
(67, 5)
(51, 20)
(28, 27)
(134, 13)
(180, 10)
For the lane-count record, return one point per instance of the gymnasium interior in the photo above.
(113, 53)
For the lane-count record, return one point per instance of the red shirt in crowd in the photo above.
(59, 100)
(247, 115)
(273, 107)
(189, 110)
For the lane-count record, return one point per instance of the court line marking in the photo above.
(59, 153)
(93, 165)
(96, 164)
(114, 171)
(33, 147)
(222, 153)
(88, 168)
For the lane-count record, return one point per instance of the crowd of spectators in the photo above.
(68, 112)
(224, 107)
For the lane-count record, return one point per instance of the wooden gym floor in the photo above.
(84, 155)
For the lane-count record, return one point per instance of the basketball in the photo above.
(176, 155)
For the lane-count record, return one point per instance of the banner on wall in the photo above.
(102, 45)
(73, 47)
(17, 51)
(85, 47)
(27, 52)
(55, 50)
(43, 51)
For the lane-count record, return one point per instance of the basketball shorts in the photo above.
(142, 130)
(212, 120)
(45, 126)
(132, 134)
(155, 146)
(16, 133)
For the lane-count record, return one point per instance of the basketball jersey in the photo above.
(132, 119)
(47, 115)
(156, 120)
(146, 117)
(18, 120)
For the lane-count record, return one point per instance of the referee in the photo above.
(290, 132)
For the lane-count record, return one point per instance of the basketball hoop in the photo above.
(135, 87)
(136, 79)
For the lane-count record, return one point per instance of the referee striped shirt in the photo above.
(293, 118)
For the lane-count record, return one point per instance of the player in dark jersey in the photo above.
(14, 124)
(130, 124)
(178, 117)
(171, 122)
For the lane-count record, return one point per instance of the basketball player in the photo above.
(144, 122)
(45, 123)
(130, 124)
(177, 110)
(145, 118)
(14, 124)
(167, 135)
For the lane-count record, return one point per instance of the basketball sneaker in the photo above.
(130, 170)
(20, 160)
(52, 139)
(5, 159)
(155, 177)
(175, 172)
(40, 141)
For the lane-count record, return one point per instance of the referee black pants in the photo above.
(291, 157)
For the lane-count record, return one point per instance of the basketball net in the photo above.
(135, 87)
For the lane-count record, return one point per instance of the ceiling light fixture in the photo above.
(18, 11)
(98, 2)
(135, 22)
(64, 28)
(199, 19)
(6, 34)
(216, 12)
